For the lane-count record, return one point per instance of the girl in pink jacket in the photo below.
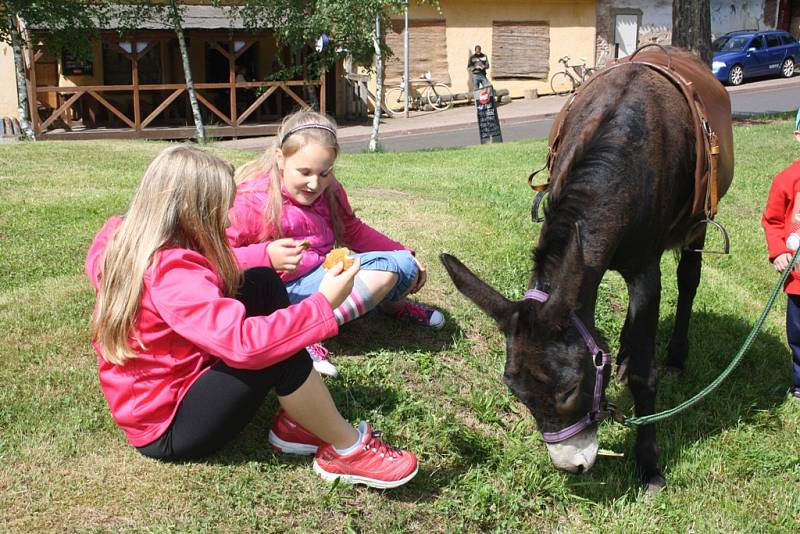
(290, 201)
(188, 347)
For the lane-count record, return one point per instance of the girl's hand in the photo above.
(422, 276)
(337, 284)
(285, 254)
(782, 262)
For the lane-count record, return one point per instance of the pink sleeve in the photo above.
(246, 231)
(358, 235)
(94, 258)
(187, 297)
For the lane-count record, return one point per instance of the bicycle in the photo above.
(563, 82)
(435, 94)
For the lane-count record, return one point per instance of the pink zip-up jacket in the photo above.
(247, 233)
(186, 325)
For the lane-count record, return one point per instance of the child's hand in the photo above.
(422, 277)
(782, 262)
(337, 285)
(285, 254)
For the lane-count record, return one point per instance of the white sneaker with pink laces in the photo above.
(321, 358)
(420, 315)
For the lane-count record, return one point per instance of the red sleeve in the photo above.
(96, 253)
(245, 234)
(359, 236)
(186, 293)
(774, 218)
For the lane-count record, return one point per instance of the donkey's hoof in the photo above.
(655, 484)
(677, 351)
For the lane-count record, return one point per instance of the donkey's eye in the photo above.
(568, 400)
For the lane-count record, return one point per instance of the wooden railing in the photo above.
(138, 122)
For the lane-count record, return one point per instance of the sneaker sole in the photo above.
(328, 370)
(288, 447)
(356, 479)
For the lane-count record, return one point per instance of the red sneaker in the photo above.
(289, 437)
(373, 463)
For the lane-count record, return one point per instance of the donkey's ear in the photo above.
(482, 294)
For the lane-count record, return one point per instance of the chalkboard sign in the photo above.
(72, 66)
(488, 121)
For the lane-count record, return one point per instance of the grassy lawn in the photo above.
(732, 463)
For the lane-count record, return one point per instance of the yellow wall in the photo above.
(8, 83)
(469, 22)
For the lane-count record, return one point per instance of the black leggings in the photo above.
(223, 400)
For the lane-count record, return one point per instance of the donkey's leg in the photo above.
(688, 280)
(637, 346)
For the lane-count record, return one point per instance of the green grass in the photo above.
(732, 463)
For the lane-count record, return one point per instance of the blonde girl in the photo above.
(290, 200)
(188, 346)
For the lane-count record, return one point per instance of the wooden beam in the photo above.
(112, 109)
(213, 108)
(294, 95)
(322, 95)
(137, 107)
(215, 45)
(161, 107)
(247, 45)
(60, 111)
(260, 100)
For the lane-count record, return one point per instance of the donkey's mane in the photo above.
(591, 155)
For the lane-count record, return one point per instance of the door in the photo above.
(756, 58)
(626, 34)
(776, 52)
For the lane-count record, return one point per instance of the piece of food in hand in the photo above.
(305, 244)
(338, 255)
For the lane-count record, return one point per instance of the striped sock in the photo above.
(357, 304)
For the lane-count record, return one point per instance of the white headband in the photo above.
(305, 127)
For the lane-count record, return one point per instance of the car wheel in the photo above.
(736, 75)
(787, 69)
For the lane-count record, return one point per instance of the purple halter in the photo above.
(600, 359)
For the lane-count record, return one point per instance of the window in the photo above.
(520, 49)
(427, 50)
(117, 68)
(787, 39)
(773, 40)
(757, 42)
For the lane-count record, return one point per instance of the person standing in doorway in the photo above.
(477, 65)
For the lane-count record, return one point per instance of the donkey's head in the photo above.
(549, 365)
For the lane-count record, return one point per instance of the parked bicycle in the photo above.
(569, 79)
(436, 95)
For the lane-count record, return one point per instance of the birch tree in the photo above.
(171, 13)
(69, 24)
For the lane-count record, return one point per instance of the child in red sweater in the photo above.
(188, 347)
(781, 222)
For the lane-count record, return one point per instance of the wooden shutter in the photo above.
(427, 51)
(520, 49)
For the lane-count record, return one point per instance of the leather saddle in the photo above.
(711, 113)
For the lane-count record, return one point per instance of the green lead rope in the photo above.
(652, 418)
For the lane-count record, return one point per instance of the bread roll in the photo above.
(336, 255)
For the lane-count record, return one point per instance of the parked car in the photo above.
(748, 53)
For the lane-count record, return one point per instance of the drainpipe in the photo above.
(405, 62)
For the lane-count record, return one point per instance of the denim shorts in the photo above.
(400, 262)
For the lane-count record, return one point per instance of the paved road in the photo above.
(766, 96)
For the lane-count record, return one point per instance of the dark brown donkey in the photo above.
(622, 190)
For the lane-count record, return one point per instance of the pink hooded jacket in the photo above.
(186, 325)
(248, 234)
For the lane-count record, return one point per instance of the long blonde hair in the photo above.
(182, 202)
(296, 131)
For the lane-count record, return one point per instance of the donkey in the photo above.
(621, 191)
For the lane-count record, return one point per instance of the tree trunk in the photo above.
(376, 119)
(691, 27)
(22, 84)
(187, 73)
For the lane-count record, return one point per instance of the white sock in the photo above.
(362, 428)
